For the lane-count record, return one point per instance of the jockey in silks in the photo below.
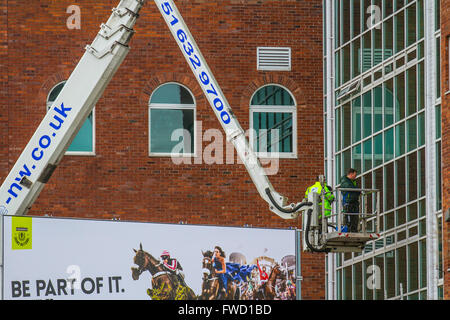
(173, 266)
(263, 277)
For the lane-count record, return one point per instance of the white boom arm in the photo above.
(86, 85)
(223, 112)
(69, 111)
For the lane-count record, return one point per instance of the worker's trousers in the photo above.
(352, 220)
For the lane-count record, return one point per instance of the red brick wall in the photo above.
(3, 89)
(445, 34)
(122, 180)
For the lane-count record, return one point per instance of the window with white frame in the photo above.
(83, 143)
(273, 124)
(172, 121)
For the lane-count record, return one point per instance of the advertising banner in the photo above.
(58, 258)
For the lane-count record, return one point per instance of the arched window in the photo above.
(83, 143)
(273, 118)
(172, 121)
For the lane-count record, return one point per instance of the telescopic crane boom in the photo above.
(85, 86)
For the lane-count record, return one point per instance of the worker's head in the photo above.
(352, 173)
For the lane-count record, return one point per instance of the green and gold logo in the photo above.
(21, 233)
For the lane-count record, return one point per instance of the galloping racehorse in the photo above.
(211, 284)
(267, 290)
(165, 285)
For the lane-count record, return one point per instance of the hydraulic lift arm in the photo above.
(68, 112)
(223, 112)
(86, 85)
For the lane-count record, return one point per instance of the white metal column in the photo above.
(432, 254)
(329, 38)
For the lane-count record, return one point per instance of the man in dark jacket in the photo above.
(350, 199)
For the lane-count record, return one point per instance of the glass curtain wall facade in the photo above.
(381, 95)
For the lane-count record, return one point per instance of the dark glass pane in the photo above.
(337, 24)
(172, 93)
(378, 150)
(399, 4)
(378, 184)
(356, 47)
(346, 160)
(401, 270)
(346, 63)
(412, 176)
(367, 163)
(411, 24)
(412, 212)
(273, 131)
(389, 186)
(347, 281)
(272, 96)
(345, 21)
(377, 109)
(377, 45)
(438, 67)
(399, 20)
(420, 20)
(356, 119)
(400, 97)
(400, 139)
(346, 125)
(421, 128)
(388, 102)
(389, 145)
(367, 114)
(413, 267)
(388, 8)
(438, 121)
(358, 281)
(423, 263)
(437, 14)
(84, 140)
(411, 103)
(421, 86)
(388, 38)
(421, 172)
(55, 92)
(338, 129)
(357, 158)
(390, 274)
(401, 217)
(367, 51)
(166, 131)
(411, 133)
(401, 181)
(356, 17)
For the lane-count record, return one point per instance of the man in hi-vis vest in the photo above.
(328, 196)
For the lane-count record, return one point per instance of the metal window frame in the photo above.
(275, 109)
(171, 106)
(428, 38)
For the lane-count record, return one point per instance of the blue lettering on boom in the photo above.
(190, 51)
(38, 153)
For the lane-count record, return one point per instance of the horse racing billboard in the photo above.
(56, 258)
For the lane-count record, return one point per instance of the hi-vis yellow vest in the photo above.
(329, 197)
